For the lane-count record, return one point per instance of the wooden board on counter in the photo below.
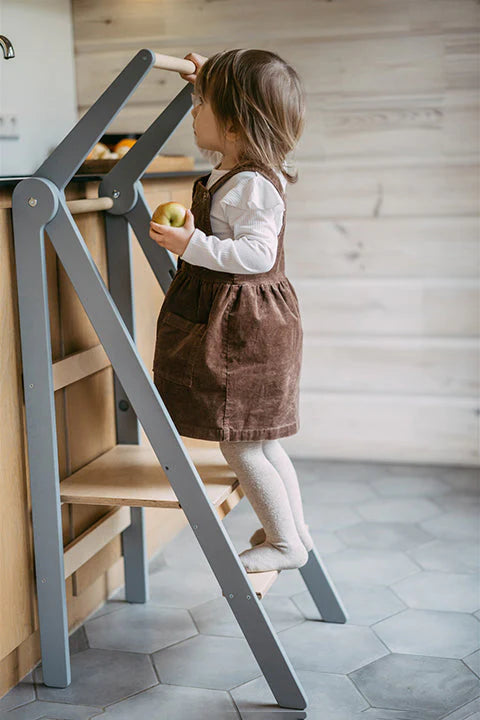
(161, 163)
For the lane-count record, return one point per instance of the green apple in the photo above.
(170, 213)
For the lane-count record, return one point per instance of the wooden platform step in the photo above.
(130, 475)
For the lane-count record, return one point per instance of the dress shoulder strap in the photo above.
(255, 167)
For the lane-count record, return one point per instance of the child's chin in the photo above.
(213, 156)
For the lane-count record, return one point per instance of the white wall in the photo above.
(38, 85)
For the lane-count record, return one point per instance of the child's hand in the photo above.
(198, 61)
(174, 239)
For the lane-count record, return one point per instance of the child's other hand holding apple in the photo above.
(172, 226)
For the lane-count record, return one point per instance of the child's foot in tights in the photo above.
(264, 488)
(259, 537)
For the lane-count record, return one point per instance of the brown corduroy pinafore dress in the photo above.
(228, 348)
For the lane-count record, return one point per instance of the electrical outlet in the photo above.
(9, 126)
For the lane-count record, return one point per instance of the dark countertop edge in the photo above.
(87, 177)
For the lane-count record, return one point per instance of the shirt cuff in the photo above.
(192, 252)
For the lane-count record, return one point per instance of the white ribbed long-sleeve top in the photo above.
(246, 217)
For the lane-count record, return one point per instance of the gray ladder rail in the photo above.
(51, 212)
(120, 283)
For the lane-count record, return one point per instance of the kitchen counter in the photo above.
(86, 177)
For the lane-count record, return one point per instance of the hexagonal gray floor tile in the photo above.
(329, 697)
(458, 502)
(141, 628)
(412, 484)
(470, 711)
(311, 470)
(78, 640)
(473, 662)
(448, 556)
(23, 692)
(463, 479)
(41, 710)
(218, 663)
(456, 525)
(216, 617)
(374, 567)
(439, 591)
(327, 517)
(384, 536)
(289, 582)
(326, 543)
(337, 490)
(167, 702)
(331, 648)
(409, 509)
(418, 683)
(429, 632)
(176, 587)
(100, 677)
(383, 714)
(109, 607)
(183, 551)
(365, 604)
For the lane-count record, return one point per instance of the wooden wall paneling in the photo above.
(376, 125)
(439, 366)
(393, 307)
(382, 231)
(113, 23)
(388, 428)
(440, 188)
(344, 127)
(365, 129)
(393, 247)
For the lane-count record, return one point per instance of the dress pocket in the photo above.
(176, 347)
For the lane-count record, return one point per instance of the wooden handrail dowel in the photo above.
(168, 62)
(89, 205)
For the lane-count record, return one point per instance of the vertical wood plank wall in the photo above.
(382, 229)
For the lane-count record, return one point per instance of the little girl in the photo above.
(229, 335)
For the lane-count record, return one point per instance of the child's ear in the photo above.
(233, 135)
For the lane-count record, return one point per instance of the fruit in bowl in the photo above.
(170, 213)
(123, 146)
(100, 152)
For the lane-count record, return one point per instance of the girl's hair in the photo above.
(262, 97)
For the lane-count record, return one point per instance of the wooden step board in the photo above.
(131, 475)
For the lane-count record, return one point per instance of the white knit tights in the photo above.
(268, 479)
